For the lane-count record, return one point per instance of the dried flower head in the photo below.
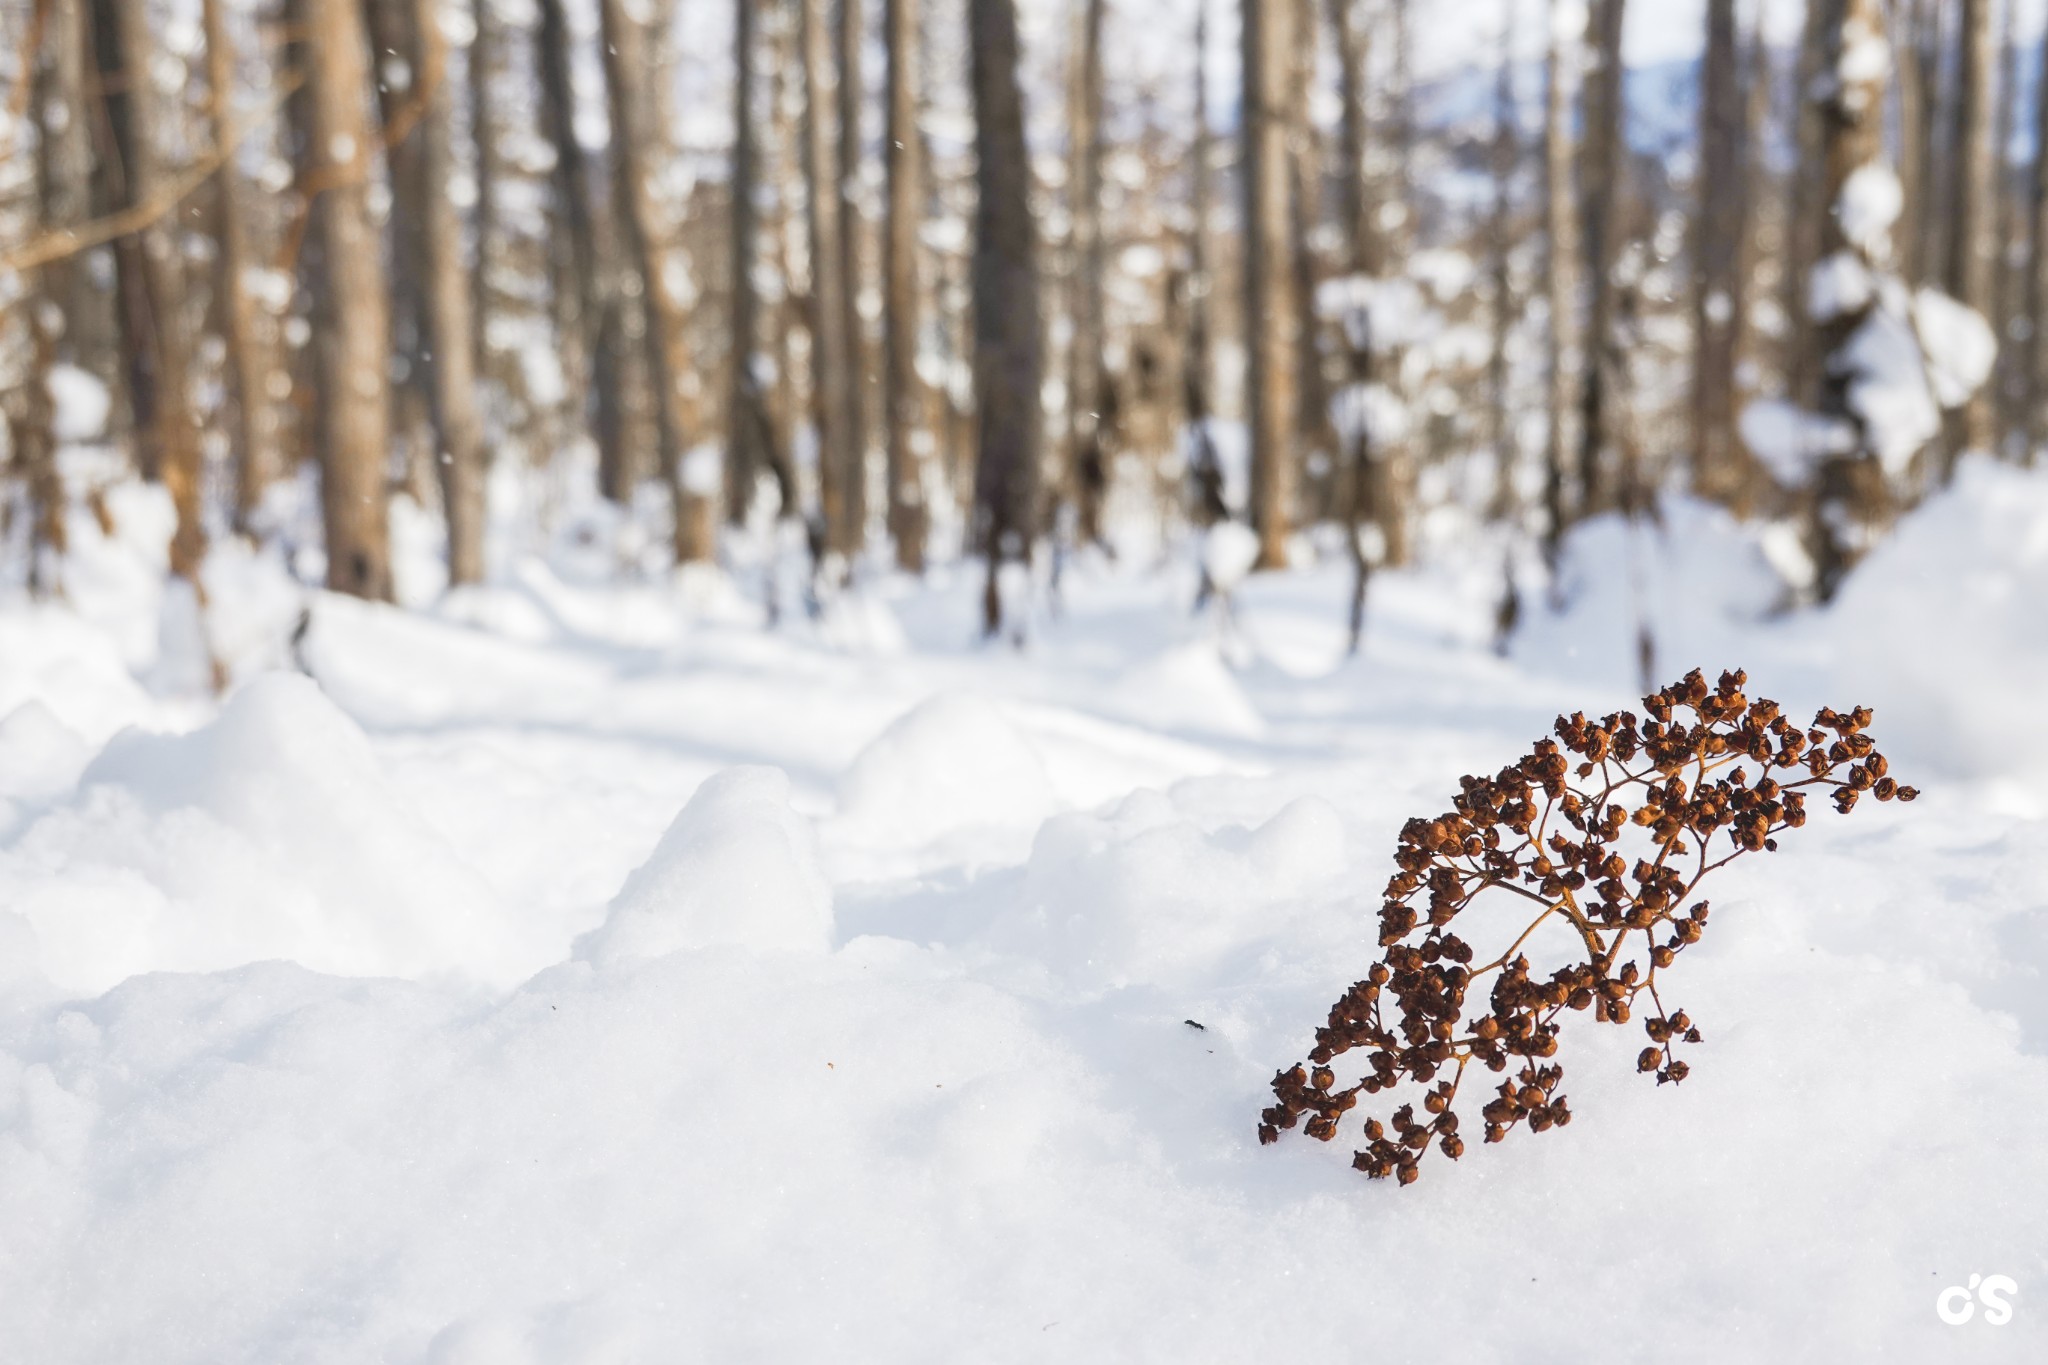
(1609, 830)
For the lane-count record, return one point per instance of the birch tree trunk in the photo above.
(1009, 347)
(908, 517)
(1272, 329)
(2034, 354)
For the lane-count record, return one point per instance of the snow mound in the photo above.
(40, 756)
(272, 832)
(1187, 688)
(953, 763)
(737, 868)
(1141, 894)
(1941, 629)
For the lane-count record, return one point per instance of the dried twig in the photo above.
(1551, 833)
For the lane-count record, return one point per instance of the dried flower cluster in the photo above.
(1609, 829)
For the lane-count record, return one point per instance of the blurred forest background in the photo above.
(815, 291)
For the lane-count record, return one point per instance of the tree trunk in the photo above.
(1601, 169)
(1354, 197)
(1850, 488)
(1720, 466)
(453, 345)
(831, 365)
(585, 251)
(1273, 331)
(1933, 205)
(2034, 355)
(852, 94)
(1500, 245)
(150, 279)
(1088, 455)
(1806, 210)
(1973, 245)
(1904, 25)
(747, 430)
(352, 342)
(1009, 348)
(249, 446)
(1561, 256)
(1305, 212)
(634, 138)
(909, 518)
(1204, 467)
(2009, 229)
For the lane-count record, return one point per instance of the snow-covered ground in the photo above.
(570, 973)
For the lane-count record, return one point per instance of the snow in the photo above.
(1870, 203)
(581, 972)
(738, 867)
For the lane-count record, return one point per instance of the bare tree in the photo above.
(1850, 486)
(352, 342)
(440, 324)
(1973, 243)
(1087, 473)
(1272, 327)
(1720, 465)
(249, 446)
(1600, 168)
(748, 434)
(634, 140)
(831, 365)
(150, 281)
(1009, 349)
(1560, 273)
(1205, 469)
(908, 517)
(1500, 248)
(2034, 354)
(852, 102)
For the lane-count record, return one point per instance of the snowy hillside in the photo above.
(567, 977)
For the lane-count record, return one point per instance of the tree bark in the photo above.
(1354, 195)
(908, 517)
(831, 365)
(852, 96)
(249, 445)
(1205, 469)
(1273, 331)
(1561, 257)
(747, 430)
(1806, 210)
(1009, 348)
(1720, 466)
(1087, 474)
(1973, 245)
(352, 342)
(453, 338)
(1850, 487)
(149, 273)
(2034, 354)
(634, 137)
(1601, 170)
(1500, 245)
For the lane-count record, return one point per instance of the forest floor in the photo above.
(576, 973)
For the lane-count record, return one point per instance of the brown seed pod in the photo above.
(1607, 829)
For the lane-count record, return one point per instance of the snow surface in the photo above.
(579, 974)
